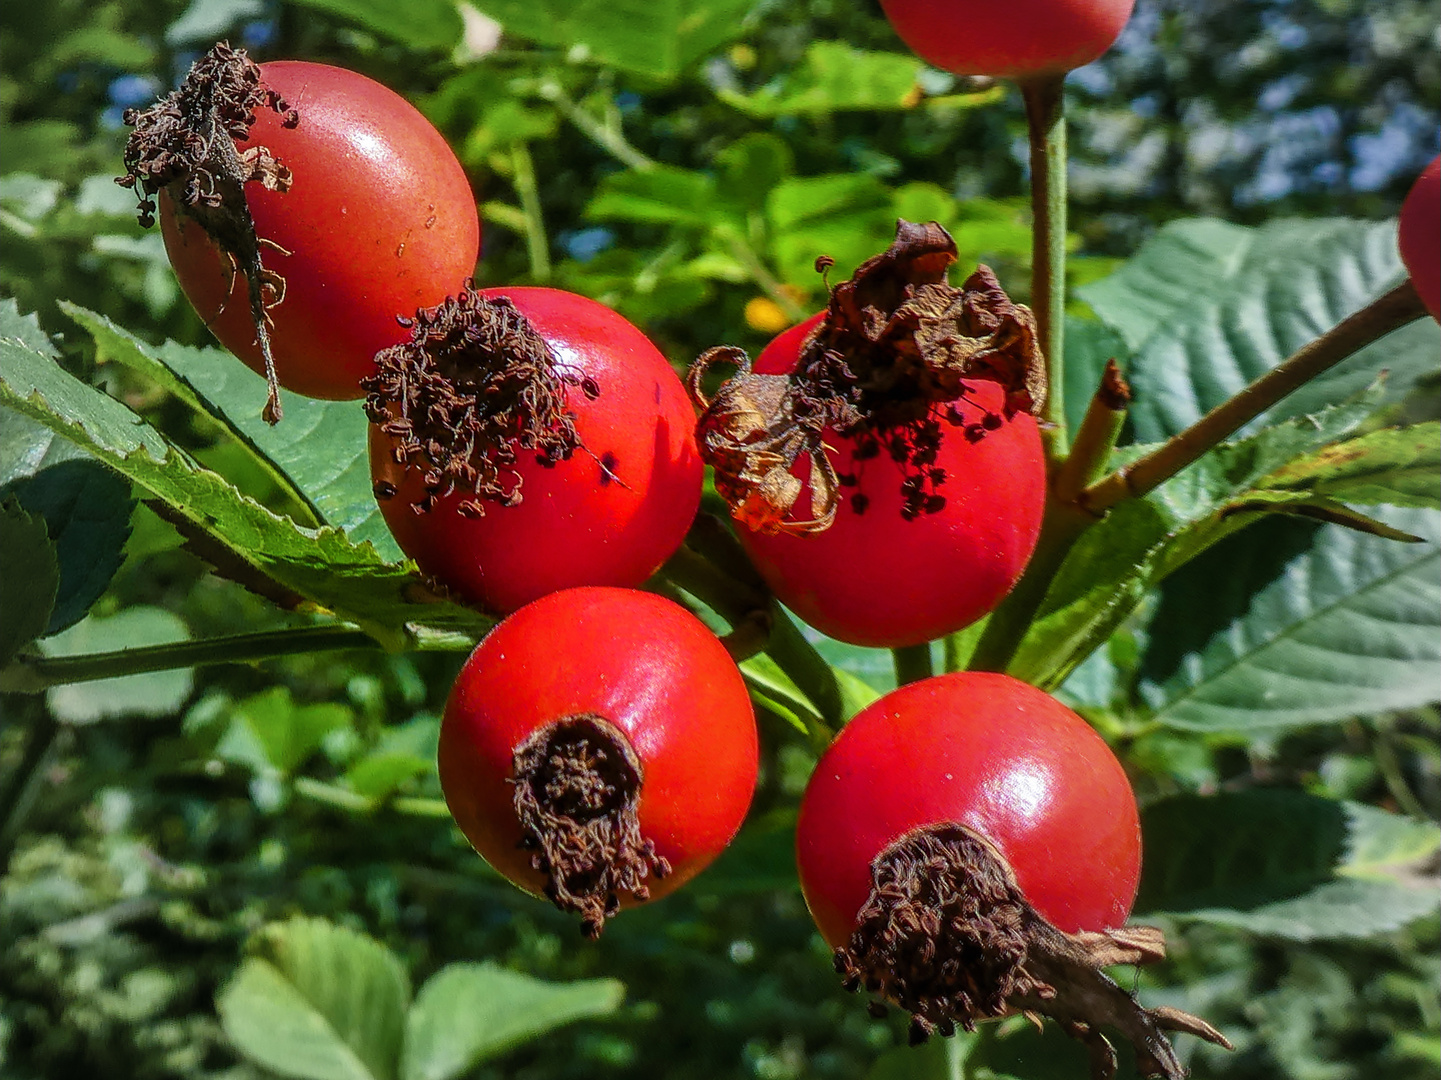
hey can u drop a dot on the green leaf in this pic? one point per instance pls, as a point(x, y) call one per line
point(318, 1001)
point(433, 25)
point(155, 693)
point(1394, 466)
point(317, 455)
point(848, 216)
point(378, 775)
point(469, 1013)
point(242, 538)
point(773, 688)
point(1089, 344)
point(761, 859)
point(935, 1059)
point(1351, 626)
point(270, 731)
point(29, 581)
point(1209, 308)
point(30, 198)
point(750, 167)
point(1183, 263)
point(87, 510)
point(659, 39)
point(834, 76)
point(663, 195)
point(873, 669)
point(1285, 864)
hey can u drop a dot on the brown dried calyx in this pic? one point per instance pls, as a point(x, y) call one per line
point(184, 144)
point(948, 936)
point(890, 364)
point(577, 785)
point(473, 388)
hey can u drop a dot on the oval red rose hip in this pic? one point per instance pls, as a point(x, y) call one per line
point(643, 705)
point(377, 220)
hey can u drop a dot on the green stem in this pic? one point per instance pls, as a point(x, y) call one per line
point(537, 243)
point(1095, 438)
point(1067, 518)
point(33, 674)
point(355, 803)
point(913, 663)
point(1392, 774)
point(1387, 313)
point(1061, 526)
point(1046, 121)
point(609, 138)
point(762, 276)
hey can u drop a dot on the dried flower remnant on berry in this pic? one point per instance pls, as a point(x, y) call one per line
point(890, 367)
point(184, 145)
point(577, 785)
point(474, 388)
point(947, 935)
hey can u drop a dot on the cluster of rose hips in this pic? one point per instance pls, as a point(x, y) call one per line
point(968, 845)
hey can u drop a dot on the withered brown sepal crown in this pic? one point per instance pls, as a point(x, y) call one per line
point(948, 936)
point(475, 387)
point(888, 367)
point(184, 144)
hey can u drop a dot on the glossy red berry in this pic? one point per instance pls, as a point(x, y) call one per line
point(1420, 236)
point(971, 848)
point(374, 218)
point(606, 506)
point(599, 748)
point(990, 753)
point(1011, 40)
point(879, 577)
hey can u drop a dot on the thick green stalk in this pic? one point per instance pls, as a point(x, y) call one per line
point(1061, 526)
point(1046, 120)
point(913, 663)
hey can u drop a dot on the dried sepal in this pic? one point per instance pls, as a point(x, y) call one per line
point(752, 438)
point(184, 144)
point(577, 786)
point(947, 935)
point(475, 387)
point(890, 366)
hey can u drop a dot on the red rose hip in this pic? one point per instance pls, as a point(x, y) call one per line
point(971, 848)
point(528, 440)
point(1012, 40)
point(879, 577)
point(882, 460)
point(324, 206)
point(599, 748)
point(1420, 236)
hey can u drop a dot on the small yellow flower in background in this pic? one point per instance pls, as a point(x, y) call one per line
point(765, 315)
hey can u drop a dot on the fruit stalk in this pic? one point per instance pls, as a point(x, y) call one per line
point(1389, 312)
point(1046, 121)
point(913, 663)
